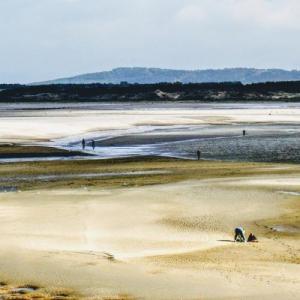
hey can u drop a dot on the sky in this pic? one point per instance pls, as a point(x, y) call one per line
point(47, 39)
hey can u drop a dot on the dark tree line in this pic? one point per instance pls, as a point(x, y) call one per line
point(124, 91)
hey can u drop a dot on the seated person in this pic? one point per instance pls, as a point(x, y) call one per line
point(252, 238)
point(239, 235)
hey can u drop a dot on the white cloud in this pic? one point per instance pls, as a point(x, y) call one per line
point(261, 13)
point(43, 39)
point(268, 13)
point(193, 13)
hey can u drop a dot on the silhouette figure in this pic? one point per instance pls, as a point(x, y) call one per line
point(199, 154)
point(83, 144)
point(244, 132)
point(252, 238)
point(93, 144)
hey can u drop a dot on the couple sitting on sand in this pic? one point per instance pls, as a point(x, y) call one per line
point(240, 236)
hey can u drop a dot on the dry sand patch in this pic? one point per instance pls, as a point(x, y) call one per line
point(145, 241)
point(36, 126)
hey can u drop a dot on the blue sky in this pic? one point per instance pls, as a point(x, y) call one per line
point(46, 39)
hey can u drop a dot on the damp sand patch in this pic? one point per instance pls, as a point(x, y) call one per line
point(19, 151)
point(290, 193)
point(286, 229)
point(77, 176)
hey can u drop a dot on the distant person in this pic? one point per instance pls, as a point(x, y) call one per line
point(199, 154)
point(93, 144)
point(83, 144)
point(239, 235)
point(252, 238)
point(244, 132)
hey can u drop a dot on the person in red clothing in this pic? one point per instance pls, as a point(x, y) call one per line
point(252, 238)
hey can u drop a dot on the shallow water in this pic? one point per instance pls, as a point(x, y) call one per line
point(262, 143)
point(146, 105)
point(271, 143)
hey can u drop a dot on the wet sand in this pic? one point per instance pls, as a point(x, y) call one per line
point(129, 140)
point(12, 151)
point(154, 236)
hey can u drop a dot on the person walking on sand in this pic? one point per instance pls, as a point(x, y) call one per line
point(240, 234)
point(93, 144)
point(83, 144)
point(199, 154)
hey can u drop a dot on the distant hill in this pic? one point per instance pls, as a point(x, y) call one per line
point(155, 75)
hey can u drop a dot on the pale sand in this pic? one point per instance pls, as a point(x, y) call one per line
point(166, 240)
point(28, 126)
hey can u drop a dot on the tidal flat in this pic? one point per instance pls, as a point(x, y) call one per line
point(158, 129)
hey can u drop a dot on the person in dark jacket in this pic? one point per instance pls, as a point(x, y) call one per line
point(199, 154)
point(93, 144)
point(239, 235)
point(83, 144)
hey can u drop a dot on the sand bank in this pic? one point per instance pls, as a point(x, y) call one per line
point(45, 125)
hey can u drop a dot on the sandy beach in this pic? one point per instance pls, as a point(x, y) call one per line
point(150, 150)
point(152, 236)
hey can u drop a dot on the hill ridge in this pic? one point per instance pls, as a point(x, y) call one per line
point(142, 75)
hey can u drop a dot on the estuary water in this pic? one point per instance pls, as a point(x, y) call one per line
point(263, 142)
